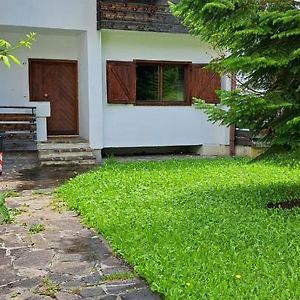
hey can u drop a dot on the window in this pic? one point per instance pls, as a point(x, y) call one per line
point(160, 83)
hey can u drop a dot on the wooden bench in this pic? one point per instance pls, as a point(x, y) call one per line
point(18, 128)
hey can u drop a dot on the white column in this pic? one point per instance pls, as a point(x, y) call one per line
point(42, 113)
point(95, 89)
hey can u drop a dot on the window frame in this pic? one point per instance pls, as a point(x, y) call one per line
point(186, 101)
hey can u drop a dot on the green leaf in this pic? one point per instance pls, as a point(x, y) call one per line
point(5, 60)
point(14, 59)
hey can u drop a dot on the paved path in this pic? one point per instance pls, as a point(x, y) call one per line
point(65, 261)
point(21, 171)
point(46, 253)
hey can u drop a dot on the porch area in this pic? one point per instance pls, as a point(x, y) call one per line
point(24, 129)
point(50, 93)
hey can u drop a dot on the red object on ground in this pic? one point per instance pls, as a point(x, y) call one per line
point(1, 163)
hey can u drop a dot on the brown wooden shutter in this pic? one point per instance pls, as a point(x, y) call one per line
point(204, 83)
point(121, 82)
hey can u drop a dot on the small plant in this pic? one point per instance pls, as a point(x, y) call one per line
point(41, 192)
point(36, 228)
point(11, 194)
point(4, 212)
point(75, 291)
point(111, 159)
point(118, 276)
point(58, 205)
point(18, 211)
point(48, 288)
point(15, 295)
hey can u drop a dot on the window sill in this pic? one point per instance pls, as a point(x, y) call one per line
point(150, 103)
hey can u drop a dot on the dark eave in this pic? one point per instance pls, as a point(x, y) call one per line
point(138, 15)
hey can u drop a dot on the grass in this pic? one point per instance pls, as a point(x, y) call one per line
point(5, 216)
point(36, 228)
point(118, 276)
point(198, 229)
point(48, 288)
point(11, 194)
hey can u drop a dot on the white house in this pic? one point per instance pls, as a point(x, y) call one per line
point(120, 74)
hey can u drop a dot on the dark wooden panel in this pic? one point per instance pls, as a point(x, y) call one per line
point(242, 133)
point(243, 142)
point(138, 16)
point(32, 108)
point(121, 82)
point(23, 136)
point(243, 138)
point(19, 146)
point(204, 83)
point(56, 81)
point(17, 127)
point(17, 117)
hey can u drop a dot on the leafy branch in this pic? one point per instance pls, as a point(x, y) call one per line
point(6, 49)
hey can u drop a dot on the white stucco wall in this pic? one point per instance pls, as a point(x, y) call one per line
point(60, 14)
point(141, 126)
point(66, 30)
point(14, 81)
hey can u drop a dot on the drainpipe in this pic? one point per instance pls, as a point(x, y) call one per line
point(1, 152)
point(232, 149)
point(233, 127)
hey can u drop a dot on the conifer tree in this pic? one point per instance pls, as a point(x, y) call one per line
point(260, 44)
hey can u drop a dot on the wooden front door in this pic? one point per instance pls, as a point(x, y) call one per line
point(56, 81)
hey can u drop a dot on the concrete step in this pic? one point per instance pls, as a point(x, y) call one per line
point(62, 146)
point(87, 154)
point(79, 157)
point(66, 152)
point(62, 151)
point(68, 163)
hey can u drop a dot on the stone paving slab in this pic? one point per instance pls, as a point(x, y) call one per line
point(22, 171)
point(60, 259)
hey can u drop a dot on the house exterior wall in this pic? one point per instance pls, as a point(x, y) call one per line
point(59, 14)
point(14, 81)
point(66, 30)
point(142, 126)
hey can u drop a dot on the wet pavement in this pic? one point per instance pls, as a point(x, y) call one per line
point(21, 171)
point(45, 252)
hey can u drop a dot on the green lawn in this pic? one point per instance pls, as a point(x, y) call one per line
point(198, 229)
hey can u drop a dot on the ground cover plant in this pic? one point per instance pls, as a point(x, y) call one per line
point(198, 229)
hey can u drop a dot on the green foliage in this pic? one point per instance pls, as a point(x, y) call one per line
point(147, 83)
point(48, 288)
point(118, 276)
point(198, 229)
point(11, 194)
point(4, 212)
point(36, 228)
point(7, 48)
point(260, 42)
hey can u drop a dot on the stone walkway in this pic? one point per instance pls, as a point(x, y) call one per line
point(21, 171)
point(47, 254)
